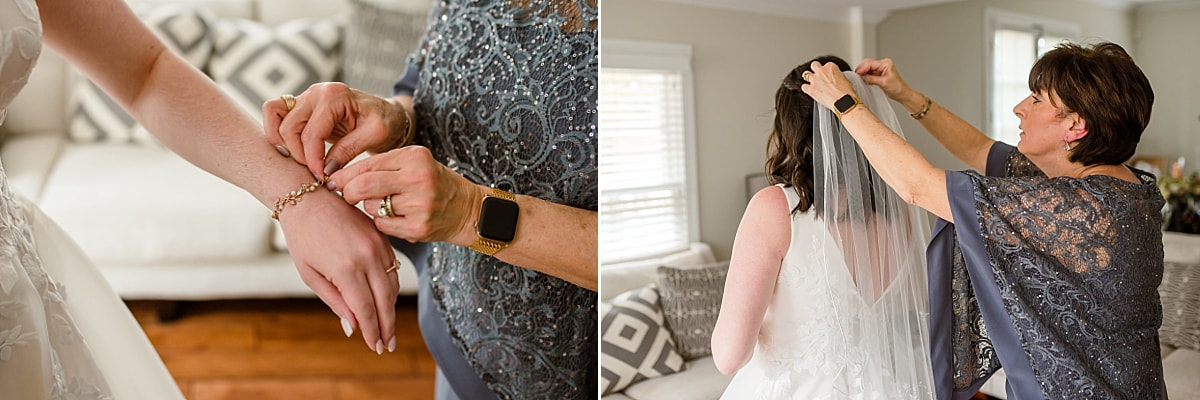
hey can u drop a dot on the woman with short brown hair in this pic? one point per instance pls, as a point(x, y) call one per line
point(1049, 264)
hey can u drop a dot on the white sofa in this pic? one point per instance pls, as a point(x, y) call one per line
point(156, 226)
point(700, 379)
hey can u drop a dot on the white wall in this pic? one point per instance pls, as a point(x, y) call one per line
point(738, 60)
point(939, 50)
point(1166, 48)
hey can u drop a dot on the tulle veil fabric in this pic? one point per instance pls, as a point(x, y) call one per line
point(881, 239)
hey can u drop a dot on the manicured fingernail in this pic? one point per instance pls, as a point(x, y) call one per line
point(392, 345)
point(330, 185)
point(332, 166)
point(379, 347)
point(283, 150)
point(346, 327)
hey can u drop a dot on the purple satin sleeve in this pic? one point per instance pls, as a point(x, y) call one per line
point(1021, 384)
point(997, 161)
point(967, 237)
point(407, 83)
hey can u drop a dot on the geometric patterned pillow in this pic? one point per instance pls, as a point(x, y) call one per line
point(97, 118)
point(378, 42)
point(1180, 294)
point(634, 345)
point(253, 63)
point(691, 300)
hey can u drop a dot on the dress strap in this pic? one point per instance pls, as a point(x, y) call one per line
point(793, 198)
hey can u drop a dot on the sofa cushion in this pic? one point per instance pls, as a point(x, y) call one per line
point(622, 277)
point(378, 41)
point(1180, 370)
point(634, 344)
point(691, 299)
point(1181, 247)
point(701, 380)
point(95, 117)
point(254, 63)
point(129, 204)
point(1180, 294)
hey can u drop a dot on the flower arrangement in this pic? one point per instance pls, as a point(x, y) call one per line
point(1182, 194)
point(1180, 187)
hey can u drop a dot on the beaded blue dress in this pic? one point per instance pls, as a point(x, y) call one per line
point(1054, 279)
point(504, 93)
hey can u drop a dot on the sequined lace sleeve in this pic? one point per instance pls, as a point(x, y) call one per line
point(506, 96)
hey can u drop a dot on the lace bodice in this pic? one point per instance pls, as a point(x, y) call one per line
point(20, 45)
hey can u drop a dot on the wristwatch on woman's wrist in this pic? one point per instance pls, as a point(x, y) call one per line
point(497, 223)
point(845, 104)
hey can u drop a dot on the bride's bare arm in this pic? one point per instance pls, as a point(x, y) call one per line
point(329, 240)
point(762, 240)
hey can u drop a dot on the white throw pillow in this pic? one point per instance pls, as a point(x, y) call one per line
point(95, 117)
point(254, 63)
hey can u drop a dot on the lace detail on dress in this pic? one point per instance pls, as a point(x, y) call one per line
point(810, 344)
point(42, 355)
point(20, 46)
point(34, 323)
point(1078, 263)
point(506, 96)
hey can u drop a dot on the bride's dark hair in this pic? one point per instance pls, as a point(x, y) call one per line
point(790, 147)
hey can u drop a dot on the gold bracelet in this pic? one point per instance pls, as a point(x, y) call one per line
point(409, 129)
point(294, 196)
point(928, 105)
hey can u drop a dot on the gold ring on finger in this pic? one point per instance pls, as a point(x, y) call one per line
point(395, 266)
point(385, 207)
point(289, 101)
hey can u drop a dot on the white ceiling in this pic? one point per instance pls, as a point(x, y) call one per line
point(840, 10)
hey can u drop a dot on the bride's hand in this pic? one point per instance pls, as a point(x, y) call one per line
point(826, 84)
point(343, 258)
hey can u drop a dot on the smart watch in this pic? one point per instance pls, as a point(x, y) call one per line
point(497, 224)
point(845, 104)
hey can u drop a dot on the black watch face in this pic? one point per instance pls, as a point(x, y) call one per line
point(498, 219)
point(843, 104)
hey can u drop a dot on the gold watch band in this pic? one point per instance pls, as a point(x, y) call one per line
point(488, 246)
point(502, 194)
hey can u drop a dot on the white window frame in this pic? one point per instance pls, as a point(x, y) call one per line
point(1000, 19)
point(675, 57)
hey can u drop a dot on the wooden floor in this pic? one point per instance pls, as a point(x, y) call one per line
point(285, 349)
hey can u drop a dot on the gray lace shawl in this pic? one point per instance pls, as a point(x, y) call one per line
point(1068, 270)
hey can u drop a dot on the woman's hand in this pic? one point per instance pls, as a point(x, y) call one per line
point(883, 73)
point(827, 84)
point(343, 258)
point(352, 120)
point(430, 202)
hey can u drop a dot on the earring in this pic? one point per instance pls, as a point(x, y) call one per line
point(1068, 147)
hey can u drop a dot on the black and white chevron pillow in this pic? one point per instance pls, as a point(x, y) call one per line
point(97, 118)
point(634, 343)
point(254, 63)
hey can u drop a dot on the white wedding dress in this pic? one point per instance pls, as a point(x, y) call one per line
point(86, 346)
point(850, 311)
point(810, 345)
